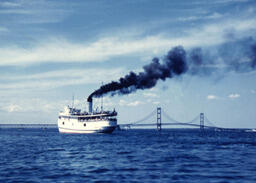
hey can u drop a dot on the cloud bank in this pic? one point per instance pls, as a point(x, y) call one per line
point(62, 50)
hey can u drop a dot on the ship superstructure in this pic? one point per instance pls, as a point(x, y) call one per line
point(73, 120)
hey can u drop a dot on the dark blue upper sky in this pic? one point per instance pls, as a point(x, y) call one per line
point(51, 50)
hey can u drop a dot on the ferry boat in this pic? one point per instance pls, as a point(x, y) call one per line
point(72, 120)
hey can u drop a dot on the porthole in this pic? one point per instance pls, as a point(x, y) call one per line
point(84, 124)
point(63, 123)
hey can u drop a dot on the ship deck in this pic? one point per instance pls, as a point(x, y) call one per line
point(95, 115)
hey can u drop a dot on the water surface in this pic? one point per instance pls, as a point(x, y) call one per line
point(175, 155)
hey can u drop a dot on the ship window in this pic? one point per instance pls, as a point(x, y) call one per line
point(84, 124)
point(63, 123)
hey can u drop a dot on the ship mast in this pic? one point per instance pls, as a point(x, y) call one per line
point(102, 100)
point(72, 101)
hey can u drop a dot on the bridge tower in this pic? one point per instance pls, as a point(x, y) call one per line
point(159, 118)
point(201, 121)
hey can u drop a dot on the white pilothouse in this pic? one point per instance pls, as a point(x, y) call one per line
point(72, 120)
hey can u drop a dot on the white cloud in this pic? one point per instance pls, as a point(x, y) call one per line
point(156, 102)
point(9, 4)
point(192, 18)
point(214, 15)
point(62, 50)
point(28, 11)
point(230, 1)
point(233, 96)
point(17, 11)
point(135, 103)
point(212, 97)
point(3, 29)
point(29, 105)
point(54, 79)
point(130, 104)
point(12, 108)
point(149, 100)
point(150, 95)
point(218, 2)
point(25, 105)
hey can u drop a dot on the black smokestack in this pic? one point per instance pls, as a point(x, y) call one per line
point(235, 55)
point(174, 63)
point(89, 99)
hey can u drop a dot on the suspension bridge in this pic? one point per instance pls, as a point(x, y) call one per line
point(155, 119)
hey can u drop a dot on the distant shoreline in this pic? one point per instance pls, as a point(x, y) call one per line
point(51, 125)
point(28, 125)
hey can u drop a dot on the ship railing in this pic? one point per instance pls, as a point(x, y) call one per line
point(106, 113)
point(96, 118)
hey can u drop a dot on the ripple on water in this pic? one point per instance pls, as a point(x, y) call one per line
point(128, 156)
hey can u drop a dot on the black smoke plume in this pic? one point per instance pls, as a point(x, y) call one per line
point(238, 56)
point(174, 63)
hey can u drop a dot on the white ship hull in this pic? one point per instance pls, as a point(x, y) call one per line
point(72, 120)
point(74, 126)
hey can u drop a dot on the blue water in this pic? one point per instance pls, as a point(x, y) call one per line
point(44, 155)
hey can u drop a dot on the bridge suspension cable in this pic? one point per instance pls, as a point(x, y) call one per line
point(209, 122)
point(145, 118)
point(169, 118)
point(196, 119)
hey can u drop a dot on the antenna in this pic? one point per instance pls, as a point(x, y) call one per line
point(101, 100)
point(72, 101)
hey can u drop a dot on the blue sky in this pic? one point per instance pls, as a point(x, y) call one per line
point(51, 50)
